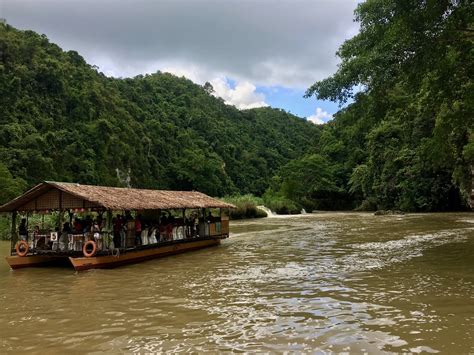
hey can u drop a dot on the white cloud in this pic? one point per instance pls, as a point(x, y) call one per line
point(320, 116)
point(268, 43)
point(243, 96)
point(189, 71)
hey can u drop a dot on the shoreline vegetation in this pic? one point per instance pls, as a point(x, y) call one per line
point(247, 207)
point(250, 206)
point(404, 141)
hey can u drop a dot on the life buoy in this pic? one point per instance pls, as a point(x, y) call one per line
point(91, 253)
point(19, 250)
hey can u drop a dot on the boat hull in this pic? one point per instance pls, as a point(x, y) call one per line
point(135, 256)
point(19, 262)
point(110, 261)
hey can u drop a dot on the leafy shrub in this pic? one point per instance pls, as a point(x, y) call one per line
point(280, 204)
point(246, 206)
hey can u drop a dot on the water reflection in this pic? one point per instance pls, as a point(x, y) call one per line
point(328, 282)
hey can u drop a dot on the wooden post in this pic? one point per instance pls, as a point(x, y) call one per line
point(14, 235)
point(61, 220)
point(109, 220)
point(61, 212)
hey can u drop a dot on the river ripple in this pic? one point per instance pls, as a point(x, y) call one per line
point(342, 282)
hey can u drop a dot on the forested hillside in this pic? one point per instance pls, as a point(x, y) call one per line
point(407, 139)
point(61, 119)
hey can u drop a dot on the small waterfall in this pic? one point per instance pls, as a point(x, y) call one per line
point(267, 210)
point(303, 211)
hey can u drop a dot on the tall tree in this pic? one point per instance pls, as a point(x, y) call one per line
point(410, 68)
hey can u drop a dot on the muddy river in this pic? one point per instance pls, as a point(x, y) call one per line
point(342, 282)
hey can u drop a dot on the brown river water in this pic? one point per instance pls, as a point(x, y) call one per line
point(329, 282)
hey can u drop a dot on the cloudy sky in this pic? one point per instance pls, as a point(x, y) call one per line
point(254, 52)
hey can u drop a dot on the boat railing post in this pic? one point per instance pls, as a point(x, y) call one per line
point(109, 227)
point(61, 212)
point(185, 225)
point(60, 220)
point(14, 236)
point(220, 222)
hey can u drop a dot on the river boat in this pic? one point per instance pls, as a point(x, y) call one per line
point(92, 227)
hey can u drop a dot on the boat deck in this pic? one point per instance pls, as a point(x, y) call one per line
point(112, 258)
point(76, 253)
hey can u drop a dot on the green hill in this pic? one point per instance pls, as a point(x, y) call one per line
point(61, 119)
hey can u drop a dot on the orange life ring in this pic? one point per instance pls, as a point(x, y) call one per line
point(86, 253)
point(25, 245)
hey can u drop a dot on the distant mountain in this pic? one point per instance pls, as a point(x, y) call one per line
point(61, 119)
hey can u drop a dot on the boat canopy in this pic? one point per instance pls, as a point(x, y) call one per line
point(51, 195)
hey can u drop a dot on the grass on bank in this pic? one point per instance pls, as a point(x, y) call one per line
point(246, 206)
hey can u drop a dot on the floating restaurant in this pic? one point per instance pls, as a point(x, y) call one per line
point(104, 227)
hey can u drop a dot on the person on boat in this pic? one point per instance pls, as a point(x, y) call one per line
point(169, 226)
point(117, 223)
point(77, 225)
point(195, 223)
point(152, 238)
point(23, 230)
point(66, 228)
point(188, 223)
point(100, 221)
point(95, 227)
point(95, 233)
point(162, 227)
point(40, 242)
point(87, 224)
point(138, 230)
point(64, 237)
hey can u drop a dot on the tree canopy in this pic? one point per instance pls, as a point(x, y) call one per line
point(403, 140)
point(406, 138)
point(61, 119)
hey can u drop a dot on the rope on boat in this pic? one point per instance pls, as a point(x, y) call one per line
point(116, 252)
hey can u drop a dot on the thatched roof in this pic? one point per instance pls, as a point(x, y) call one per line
point(60, 195)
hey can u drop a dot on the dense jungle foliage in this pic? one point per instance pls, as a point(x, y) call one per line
point(62, 120)
point(406, 141)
